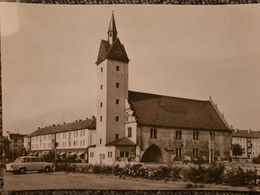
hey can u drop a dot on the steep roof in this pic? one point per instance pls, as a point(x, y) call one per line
point(246, 133)
point(84, 124)
point(121, 142)
point(116, 51)
point(174, 112)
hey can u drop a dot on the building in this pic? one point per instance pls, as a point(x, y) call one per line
point(249, 141)
point(69, 140)
point(153, 128)
point(16, 145)
point(147, 127)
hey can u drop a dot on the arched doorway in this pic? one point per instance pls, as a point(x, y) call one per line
point(152, 154)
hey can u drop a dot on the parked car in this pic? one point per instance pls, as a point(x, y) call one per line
point(29, 163)
point(122, 162)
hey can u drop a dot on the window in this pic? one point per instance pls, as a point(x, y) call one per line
point(126, 154)
point(100, 118)
point(195, 135)
point(117, 85)
point(178, 152)
point(91, 154)
point(178, 134)
point(100, 141)
point(103, 156)
point(122, 154)
point(69, 135)
point(117, 136)
point(129, 132)
point(100, 104)
point(101, 87)
point(153, 133)
point(80, 142)
point(83, 133)
point(117, 68)
point(212, 136)
point(117, 118)
point(117, 101)
point(83, 142)
point(101, 69)
point(74, 143)
point(69, 143)
point(109, 154)
point(195, 152)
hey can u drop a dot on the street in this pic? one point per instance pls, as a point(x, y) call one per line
point(62, 180)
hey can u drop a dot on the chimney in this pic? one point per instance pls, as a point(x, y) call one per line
point(39, 128)
point(64, 123)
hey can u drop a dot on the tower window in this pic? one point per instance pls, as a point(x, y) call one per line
point(117, 118)
point(100, 118)
point(117, 101)
point(101, 104)
point(101, 86)
point(101, 69)
point(117, 68)
point(129, 132)
point(117, 136)
point(117, 85)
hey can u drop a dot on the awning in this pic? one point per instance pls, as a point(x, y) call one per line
point(46, 153)
point(80, 153)
point(61, 153)
point(72, 153)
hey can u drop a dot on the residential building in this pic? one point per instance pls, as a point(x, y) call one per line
point(69, 140)
point(249, 141)
point(16, 145)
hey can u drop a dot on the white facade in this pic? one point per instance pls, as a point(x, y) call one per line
point(42, 142)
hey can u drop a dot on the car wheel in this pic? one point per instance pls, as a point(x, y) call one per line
point(22, 170)
point(47, 169)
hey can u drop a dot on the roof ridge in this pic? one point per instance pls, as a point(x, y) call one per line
point(169, 96)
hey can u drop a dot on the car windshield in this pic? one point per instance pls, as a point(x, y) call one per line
point(18, 160)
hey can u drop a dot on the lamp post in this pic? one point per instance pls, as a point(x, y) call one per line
point(55, 151)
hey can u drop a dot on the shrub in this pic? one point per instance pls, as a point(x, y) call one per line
point(212, 174)
point(239, 177)
point(256, 160)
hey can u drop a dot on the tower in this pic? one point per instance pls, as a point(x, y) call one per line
point(112, 88)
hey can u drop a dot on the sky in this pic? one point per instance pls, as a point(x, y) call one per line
point(49, 54)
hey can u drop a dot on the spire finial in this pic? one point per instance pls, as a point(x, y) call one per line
point(112, 32)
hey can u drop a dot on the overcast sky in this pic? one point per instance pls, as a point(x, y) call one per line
point(49, 54)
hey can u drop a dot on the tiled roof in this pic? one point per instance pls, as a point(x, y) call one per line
point(246, 133)
point(121, 142)
point(84, 124)
point(174, 112)
point(116, 51)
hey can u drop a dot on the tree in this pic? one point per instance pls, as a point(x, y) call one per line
point(237, 150)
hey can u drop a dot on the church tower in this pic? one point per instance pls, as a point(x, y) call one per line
point(112, 89)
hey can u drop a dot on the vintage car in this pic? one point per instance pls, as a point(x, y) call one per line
point(123, 162)
point(29, 163)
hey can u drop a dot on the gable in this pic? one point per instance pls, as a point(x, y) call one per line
point(103, 50)
point(117, 52)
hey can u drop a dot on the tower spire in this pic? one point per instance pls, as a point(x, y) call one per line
point(112, 32)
